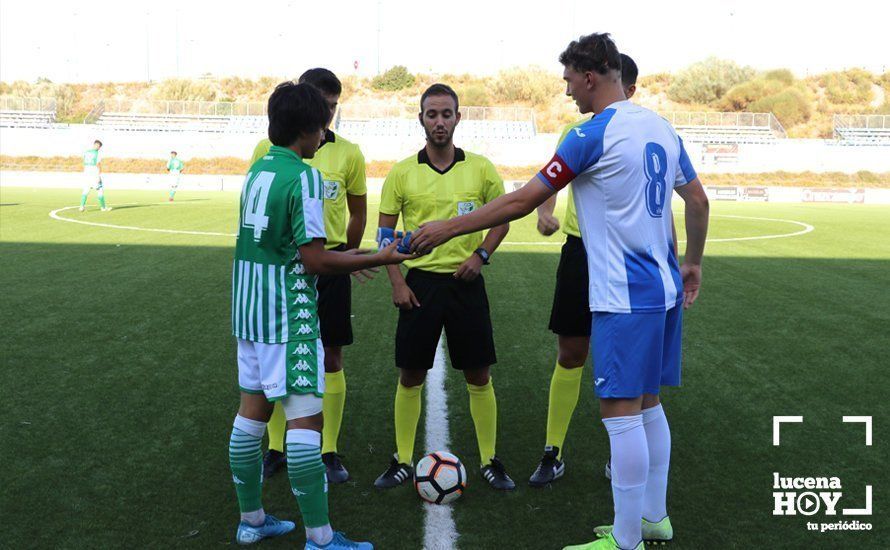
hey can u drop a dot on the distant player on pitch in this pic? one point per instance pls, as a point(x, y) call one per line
point(342, 165)
point(624, 165)
point(174, 168)
point(444, 288)
point(92, 175)
point(279, 252)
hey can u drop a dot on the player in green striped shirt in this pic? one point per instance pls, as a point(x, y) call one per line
point(174, 168)
point(92, 176)
point(279, 253)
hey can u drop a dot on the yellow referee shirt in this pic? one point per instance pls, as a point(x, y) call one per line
point(419, 193)
point(342, 165)
point(570, 224)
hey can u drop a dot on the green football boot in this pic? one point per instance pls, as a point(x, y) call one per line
point(653, 533)
point(605, 542)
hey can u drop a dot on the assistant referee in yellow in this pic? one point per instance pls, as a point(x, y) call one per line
point(342, 166)
point(444, 289)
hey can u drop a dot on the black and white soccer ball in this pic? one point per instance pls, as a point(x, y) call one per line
point(440, 478)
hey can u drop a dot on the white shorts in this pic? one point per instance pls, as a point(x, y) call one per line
point(92, 179)
point(174, 180)
point(278, 370)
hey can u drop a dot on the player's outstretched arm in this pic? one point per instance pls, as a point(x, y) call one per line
point(501, 210)
point(697, 212)
point(320, 261)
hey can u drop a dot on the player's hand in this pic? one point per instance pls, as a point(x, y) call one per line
point(547, 224)
point(403, 297)
point(429, 236)
point(691, 274)
point(470, 269)
point(362, 275)
point(389, 254)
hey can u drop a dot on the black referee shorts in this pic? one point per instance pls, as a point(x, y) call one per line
point(335, 309)
point(460, 307)
point(570, 315)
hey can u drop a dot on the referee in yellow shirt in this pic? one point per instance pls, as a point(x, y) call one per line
point(444, 289)
point(342, 166)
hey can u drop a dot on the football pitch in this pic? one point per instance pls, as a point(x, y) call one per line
point(119, 383)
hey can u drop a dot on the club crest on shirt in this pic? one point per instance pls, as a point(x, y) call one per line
point(465, 207)
point(331, 188)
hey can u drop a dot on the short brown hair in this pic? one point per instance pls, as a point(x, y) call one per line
point(593, 52)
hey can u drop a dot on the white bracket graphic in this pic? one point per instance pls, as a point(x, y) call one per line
point(861, 511)
point(778, 421)
point(867, 421)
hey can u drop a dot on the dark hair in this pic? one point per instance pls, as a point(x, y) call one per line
point(629, 71)
point(99, 142)
point(439, 89)
point(173, 153)
point(323, 79)
point(593, 52)
point(295, 110)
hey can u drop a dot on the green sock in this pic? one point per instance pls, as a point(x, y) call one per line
point(246, 461)
point(83, 200)
point(172, 192)
point(484, 410)
point(565, 386)
point(307, 476)
point(407, 415)
point(101, 201)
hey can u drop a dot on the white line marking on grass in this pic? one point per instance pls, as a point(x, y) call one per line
point(439, 530)
point(807, 228)
point(55, 215)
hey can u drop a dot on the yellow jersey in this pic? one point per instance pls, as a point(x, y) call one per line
point(342, 166)
point(418, 192)
point(570, 223)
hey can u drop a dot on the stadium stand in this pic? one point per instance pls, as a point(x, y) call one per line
point(181, 116)
point(27, 112)
point(862, 129)
point(726, 128)
point(477, 123)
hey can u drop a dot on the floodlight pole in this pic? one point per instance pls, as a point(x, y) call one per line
point(379, 2)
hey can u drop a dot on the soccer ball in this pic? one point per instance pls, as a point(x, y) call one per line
point(440, 478)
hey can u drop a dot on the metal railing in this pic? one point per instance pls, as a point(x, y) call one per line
point(94, 113)
point(193, 108)
point(14, 103)
point(716, 120)
point(862, 122)
point(468, 112)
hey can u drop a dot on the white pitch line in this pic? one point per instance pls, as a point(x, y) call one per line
point(439, 530)
point(807, 228)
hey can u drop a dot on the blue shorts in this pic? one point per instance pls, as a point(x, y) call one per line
point(635, 353)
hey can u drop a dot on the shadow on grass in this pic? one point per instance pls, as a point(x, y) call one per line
point(120, 386)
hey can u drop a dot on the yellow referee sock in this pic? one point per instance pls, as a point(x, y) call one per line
point(276, 428)
point(484, 410)
point(564, 389)
point(332, 404)
point(407, 414)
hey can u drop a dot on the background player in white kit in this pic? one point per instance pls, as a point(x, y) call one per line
point(92, 175)
point(623, 165)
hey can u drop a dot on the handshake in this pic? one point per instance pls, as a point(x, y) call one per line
point(386, 235)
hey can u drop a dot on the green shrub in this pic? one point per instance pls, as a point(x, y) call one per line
point(785, 76)
point(742, 95)
point(529, 84)
point(181, 89)
point(473, 94)
point(848, 87)
point(707, 81)
point(655, 83)
point(393, 80)
point(790, 106)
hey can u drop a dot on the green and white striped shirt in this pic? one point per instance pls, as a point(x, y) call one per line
point(274, 300)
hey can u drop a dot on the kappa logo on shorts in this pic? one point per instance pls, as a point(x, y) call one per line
point(304, 329)
point(303, 314)
point(302, 365)
point(300, 285)
point(301, 349)
point(302, 381)
point(298, 270)
point(301, 299)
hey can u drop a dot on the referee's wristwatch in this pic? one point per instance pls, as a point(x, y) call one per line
point(482, 253)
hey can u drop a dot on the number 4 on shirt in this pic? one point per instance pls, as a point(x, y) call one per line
point(253, 200)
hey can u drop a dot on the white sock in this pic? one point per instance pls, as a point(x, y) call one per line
point(255, 518)
point(320, 535)
point(630, 466)
point(658, 437)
